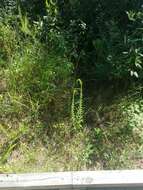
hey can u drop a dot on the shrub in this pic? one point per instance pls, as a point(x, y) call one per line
point(43, 76)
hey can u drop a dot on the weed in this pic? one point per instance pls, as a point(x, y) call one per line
point(77, 106)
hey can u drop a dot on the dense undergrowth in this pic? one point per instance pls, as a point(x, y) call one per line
point(50, 120)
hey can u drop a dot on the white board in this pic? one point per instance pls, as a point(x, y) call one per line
point(73, 180)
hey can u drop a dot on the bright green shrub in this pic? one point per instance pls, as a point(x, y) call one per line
point(39, 74)
point(77, 115)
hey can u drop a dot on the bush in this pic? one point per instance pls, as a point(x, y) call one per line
point(43, 76)
point(106, 45)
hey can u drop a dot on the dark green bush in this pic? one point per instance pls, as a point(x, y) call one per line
point(106, 43)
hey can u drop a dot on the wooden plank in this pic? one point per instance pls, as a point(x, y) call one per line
point(73, 180)
point(119, 178)
point(36, 181)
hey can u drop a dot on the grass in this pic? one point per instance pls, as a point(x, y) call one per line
point(59, 153)
point(116, 129)
point(114, 142)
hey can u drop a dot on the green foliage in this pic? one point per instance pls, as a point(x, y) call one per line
point(34, 90)
point(102, 45)
point(9, 6)
point(77, 107)
point(13, 138)
point(106, 45)
point(8, 43)
point(133, 112)
point(135, 54)
point(37, 73)
point(116, 134)
point(45, 46)
point(24, 22)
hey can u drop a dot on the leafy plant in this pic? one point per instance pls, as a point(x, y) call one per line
point(77, 107)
